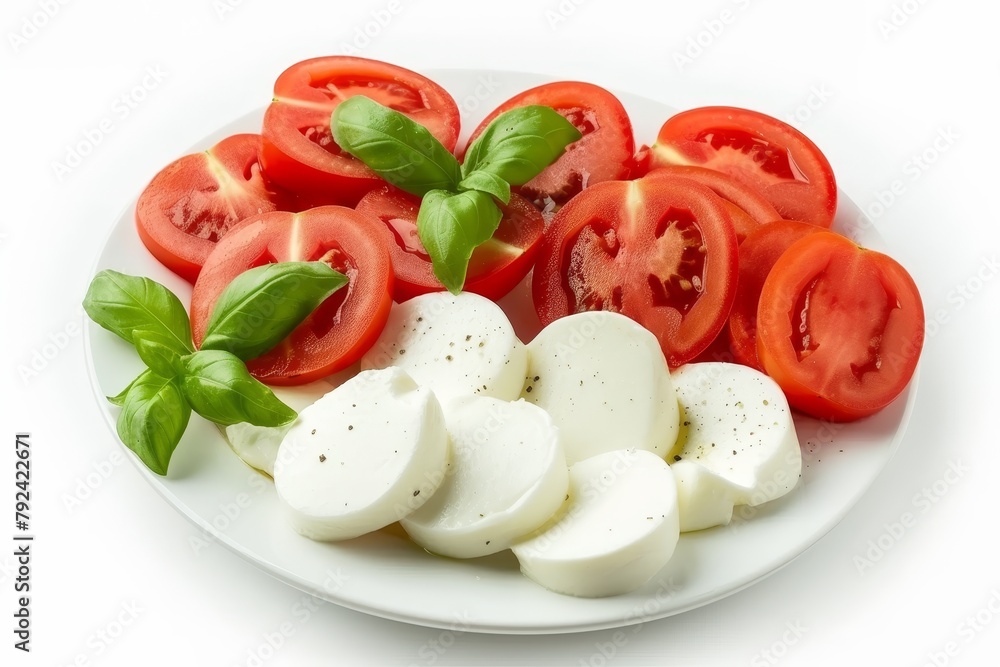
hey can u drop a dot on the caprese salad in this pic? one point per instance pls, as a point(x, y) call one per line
point(691, 292)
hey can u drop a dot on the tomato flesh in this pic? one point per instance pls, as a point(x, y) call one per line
point(659, 250)
point(747, 208)
point(298, 151)
point(758, 253)
point(496, 266)
point(604, 153)
point(195, 200)
point(840, 328)
point(761, 152)
point(344, 326)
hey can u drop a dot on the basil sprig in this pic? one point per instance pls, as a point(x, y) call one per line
point(458, 211)
point(254, 313)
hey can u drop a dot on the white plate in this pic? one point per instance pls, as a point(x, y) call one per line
point(386, 575)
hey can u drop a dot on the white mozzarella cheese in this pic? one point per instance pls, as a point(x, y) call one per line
point(258, 445)
point(457, 345)
point(617, 530)
point(737, 443)
point(362, 457)
point(508, 476)
point(604, 380)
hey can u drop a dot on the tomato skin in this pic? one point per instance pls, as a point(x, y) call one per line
point(761, 152)
point(747, 207)
point(344, 326)
point(840, 328)
point(604, 153)
point(195, 200)
point(659, 250)
point(758, 253)
point(496, 266)
point(298, 151)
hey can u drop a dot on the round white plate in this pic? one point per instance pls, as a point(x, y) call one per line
point(386, 575)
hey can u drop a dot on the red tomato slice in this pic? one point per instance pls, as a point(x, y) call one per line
point(298, 150)
point(746, 206)
point(604, 153)
point(759, 151)
point(344, 326)
point(758, 253)
point(195, 200)
point(659, 250)
point(839, 328)
point(496, 267)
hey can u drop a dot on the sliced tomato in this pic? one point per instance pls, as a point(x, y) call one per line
point(746, 206)
point(604, 153)
point(496, 267)
point(758, 253)
point(298, 150)
point(344, 326)
point(761, 152)
point(659, 250)
point(839, 327)
point(195, 200)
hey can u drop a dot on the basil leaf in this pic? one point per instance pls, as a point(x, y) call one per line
point(450, 226)
point(398, 149)
point(483, 181)
point(155, 352)
point(520, 143)
point(219, 388)
point(153, 418)
point(123, 304)
point(264, 304)
point(119, 400)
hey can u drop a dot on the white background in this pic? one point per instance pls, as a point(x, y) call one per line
point(882, 94)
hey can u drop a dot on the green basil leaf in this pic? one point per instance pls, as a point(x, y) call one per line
point(450, 226)
point(484, 181)
point(155, 352)
point(398, 149)
point(119, 400)
point(123, 304)
point(520, 143)
point(264, 304)
point(153, 418)
point(219, 388)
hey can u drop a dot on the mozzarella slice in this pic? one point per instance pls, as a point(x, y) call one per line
point(457, 345)
point(362, 457)
point(258, 445)
point(618, 529)
point(508, 477)
point(604, 380)
point(737, 444)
